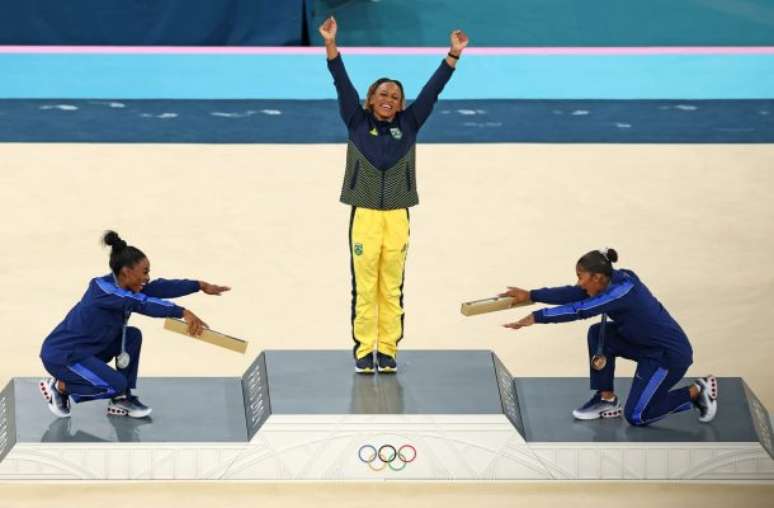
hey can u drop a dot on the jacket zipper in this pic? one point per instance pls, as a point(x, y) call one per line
point(354, 175)
point(384, 173)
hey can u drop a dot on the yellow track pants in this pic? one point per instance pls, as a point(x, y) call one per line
point(378, 242)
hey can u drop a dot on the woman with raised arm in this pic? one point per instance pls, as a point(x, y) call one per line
point(380, 185)
point(95, 332)
point(639, 329)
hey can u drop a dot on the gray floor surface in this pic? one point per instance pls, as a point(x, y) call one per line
point(184, 410)
point(323, 382)
point(547, 405)
point(428, 382)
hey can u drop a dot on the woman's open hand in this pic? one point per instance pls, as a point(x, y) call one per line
point(212, 289)
point(527, 320)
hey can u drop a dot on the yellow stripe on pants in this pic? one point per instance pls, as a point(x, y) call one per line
point(378, 247)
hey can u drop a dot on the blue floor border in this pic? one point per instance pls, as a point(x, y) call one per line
point(453, 121)
point(304, 76)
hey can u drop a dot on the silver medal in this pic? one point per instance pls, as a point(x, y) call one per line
point(122, 360)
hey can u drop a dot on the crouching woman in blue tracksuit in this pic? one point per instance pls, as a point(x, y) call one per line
point(94, 332)
point(640, 329)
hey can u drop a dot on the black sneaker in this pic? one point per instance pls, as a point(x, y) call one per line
point(58, 403)
point(386, 363)
point(365, 365)
point(128, 406)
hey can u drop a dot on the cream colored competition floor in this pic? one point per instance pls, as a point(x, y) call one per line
point(695, 222)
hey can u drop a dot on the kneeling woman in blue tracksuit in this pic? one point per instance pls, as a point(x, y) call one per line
point(94, 332)
point(640, 329)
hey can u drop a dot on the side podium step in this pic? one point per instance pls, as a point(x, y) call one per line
point(734, 446)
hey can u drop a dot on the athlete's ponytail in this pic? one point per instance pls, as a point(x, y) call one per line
point(121, 254)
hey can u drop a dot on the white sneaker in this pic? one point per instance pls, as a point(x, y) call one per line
point(707, 401)
point(128, 406)
point(58, 403)
point(597, 407)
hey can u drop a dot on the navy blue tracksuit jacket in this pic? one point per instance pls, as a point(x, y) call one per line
point(97, 319)
point(77, 350)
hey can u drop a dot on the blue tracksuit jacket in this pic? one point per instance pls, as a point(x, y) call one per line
point(97, 319)
point(639, 317)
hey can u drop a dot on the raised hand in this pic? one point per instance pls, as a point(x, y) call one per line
point(328, 30)
point(212, 289)
point(459, 41)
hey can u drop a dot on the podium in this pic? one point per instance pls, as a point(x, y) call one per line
point(446, 415)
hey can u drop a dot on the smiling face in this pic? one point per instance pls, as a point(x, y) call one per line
point(134, 278)
point(385, 101)
point(592, 283)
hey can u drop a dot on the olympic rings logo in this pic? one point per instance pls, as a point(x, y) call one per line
point(387, 456)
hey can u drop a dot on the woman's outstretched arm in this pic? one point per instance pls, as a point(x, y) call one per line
point(423, 105)
point(349, 102)
point(328, 31)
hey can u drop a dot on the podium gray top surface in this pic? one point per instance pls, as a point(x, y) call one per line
point(427, 382)
point(323, 383)
point(547, 404)
point(184, 410)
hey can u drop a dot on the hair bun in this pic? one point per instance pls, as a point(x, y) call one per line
point(112, 239)
point(611, 254)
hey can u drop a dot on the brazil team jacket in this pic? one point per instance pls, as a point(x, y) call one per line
point(639, 317)
point(98, 318)
point(380, 170)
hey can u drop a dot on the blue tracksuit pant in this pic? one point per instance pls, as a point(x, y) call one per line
point(650, 398)
point(91, 378)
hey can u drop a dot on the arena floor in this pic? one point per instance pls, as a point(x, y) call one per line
point(694, 221)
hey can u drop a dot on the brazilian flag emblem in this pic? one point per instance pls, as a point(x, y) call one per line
point(358, 249)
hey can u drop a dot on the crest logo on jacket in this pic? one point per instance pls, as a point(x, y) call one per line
point(396, 133)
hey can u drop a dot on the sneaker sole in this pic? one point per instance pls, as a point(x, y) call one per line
point(43, 387)
point(615, 413)
point(387, 370)
point(711, 384)
point(364, 371)
point(112, 411)
point(612, 414)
